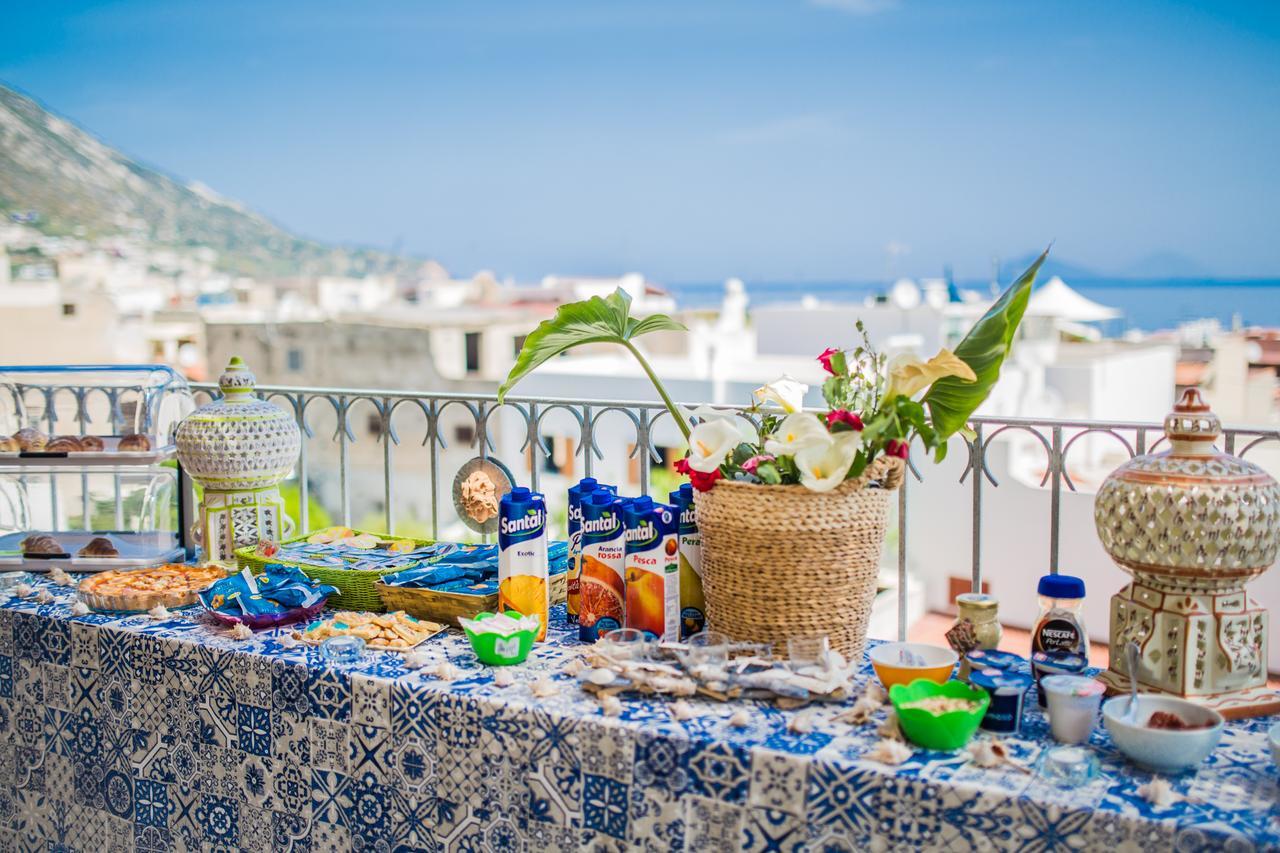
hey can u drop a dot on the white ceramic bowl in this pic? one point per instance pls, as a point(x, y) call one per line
point(1163, 750)
point(932, 662)
point(1273, 737)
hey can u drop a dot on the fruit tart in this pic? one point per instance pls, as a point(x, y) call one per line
point(170, 585)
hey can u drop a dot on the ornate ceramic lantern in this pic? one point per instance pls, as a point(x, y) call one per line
point(238, 448)
point(1193, 526)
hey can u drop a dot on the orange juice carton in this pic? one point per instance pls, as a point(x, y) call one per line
point(522, 555)
point(693, 605)
point(601, 586)
point(577, 494)
point(652, 569)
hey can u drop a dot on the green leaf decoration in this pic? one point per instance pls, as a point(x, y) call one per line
point(591, 321)
point(952, 401)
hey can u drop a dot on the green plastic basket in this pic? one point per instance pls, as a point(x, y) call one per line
point(498, 650)
point(356, 590)
point(943, 732)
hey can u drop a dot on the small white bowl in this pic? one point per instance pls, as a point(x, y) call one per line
point(1162, 750)
point(1273, 737)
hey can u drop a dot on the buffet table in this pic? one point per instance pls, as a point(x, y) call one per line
point(133, 733)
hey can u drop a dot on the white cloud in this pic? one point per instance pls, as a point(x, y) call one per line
point(858, 7)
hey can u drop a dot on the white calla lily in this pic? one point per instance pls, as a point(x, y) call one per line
point(822, 468)
point(796, 432)
point(710, 443)
point(705, 414)
point(785, 392)
point(908, 374)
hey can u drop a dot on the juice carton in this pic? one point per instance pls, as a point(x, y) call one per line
point(577, 493)
point(522, 555)
point(601, 588)
point(693, 606)
point(653, 569)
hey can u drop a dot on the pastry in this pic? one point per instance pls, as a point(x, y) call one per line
point(31, 439)
point(92, 444)
point(9, 444)
point(42, 545)
point(63, 444)
point(171, 585)
point(99, 546)
point(396, 631)
point(134, 442)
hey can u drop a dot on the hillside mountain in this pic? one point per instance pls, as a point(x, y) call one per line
point(74, 184)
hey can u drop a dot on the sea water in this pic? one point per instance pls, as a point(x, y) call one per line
point(522, 555)
point(652, 569)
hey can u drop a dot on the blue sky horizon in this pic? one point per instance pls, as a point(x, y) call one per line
point(768, 139)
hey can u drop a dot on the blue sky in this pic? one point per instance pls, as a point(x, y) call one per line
point(770, 139)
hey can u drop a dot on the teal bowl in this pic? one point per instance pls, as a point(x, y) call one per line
point(942, 732)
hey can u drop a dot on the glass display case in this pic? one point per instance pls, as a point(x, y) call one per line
point(89, 477)
point(91, 414)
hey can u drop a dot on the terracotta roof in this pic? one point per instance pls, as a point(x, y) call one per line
point(1189, 373)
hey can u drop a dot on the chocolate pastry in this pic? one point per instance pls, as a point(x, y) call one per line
point(99, 546)
point(9, 444)
point(42, 545)
point(134, 441)
point(63, 444)
point(91, 444)
point(31, 439)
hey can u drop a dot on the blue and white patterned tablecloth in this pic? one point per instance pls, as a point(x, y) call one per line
point(128, 733)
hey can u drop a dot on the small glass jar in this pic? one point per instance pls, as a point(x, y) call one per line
point(982, 611)
point(1060, 625)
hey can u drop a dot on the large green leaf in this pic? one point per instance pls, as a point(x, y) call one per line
point(951, 400)
point(592, 321)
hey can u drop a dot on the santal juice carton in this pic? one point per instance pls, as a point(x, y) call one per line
point(577, 494)
point(522, 555)
point(653, 569)
point(693, 605)
point(601, 590)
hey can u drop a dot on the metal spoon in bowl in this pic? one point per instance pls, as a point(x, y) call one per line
point(1131, 658)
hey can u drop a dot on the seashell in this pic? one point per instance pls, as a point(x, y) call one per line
point(44, 597)
point(288, 641)
point(683, 711)
point(79, 608)
point(445, 671)
point(161, 613)
point(503, 678)
point(23, 590)
point(990, 752)
point(574, 666)
point(416, 660)
point(875, 693)
point(611, 706)
point(889, 729)
point(740, 719)
point(241, 631)
point(60, 577)
point(544, 687)
point(1159, 793)
point(861, 712)
point(601, 676)
point(890, 752)
point(801, 723)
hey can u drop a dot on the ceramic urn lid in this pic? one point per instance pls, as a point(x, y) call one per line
point(1190, 511)
point(239, 441)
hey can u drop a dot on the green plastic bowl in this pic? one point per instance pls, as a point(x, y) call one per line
point(496, 650)
point(942, 732)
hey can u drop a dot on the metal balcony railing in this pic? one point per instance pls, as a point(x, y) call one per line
point(1057, 438)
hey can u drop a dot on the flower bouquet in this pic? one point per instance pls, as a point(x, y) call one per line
point(792, 503)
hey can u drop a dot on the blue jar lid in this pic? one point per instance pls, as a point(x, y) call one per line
point(994, 679)
point(993, 659)
point(1061, 586)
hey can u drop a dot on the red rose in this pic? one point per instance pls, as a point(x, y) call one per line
point(897, 448)
point(682, 466)
point(844, 416)
point(825, 359)
point(703, 482)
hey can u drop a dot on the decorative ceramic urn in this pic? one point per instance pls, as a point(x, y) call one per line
point(1192, 525)
point(238, 449)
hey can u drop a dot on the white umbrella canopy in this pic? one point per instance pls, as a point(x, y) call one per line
point(1057, 299)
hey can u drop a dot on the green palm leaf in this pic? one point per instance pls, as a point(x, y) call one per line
point(951, 400)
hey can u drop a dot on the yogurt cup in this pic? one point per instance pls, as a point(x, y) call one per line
point(1008, 691)
point(980, 659)
point(1055, 663)
point(1073, 702)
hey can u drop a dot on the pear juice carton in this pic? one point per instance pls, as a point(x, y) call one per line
point(693, 606)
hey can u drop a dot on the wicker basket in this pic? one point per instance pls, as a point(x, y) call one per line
point(447, 607)
point(781, 561)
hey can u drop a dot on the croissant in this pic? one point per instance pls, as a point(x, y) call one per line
point(91, 444)
point(99, 546)
point(42, 545)
point(31, 439)
point(63, 444)
point(134, 441)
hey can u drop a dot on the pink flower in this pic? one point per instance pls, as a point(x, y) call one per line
point(753, 463)
point(846, 417)
point(897, 448)
point(825, 358)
